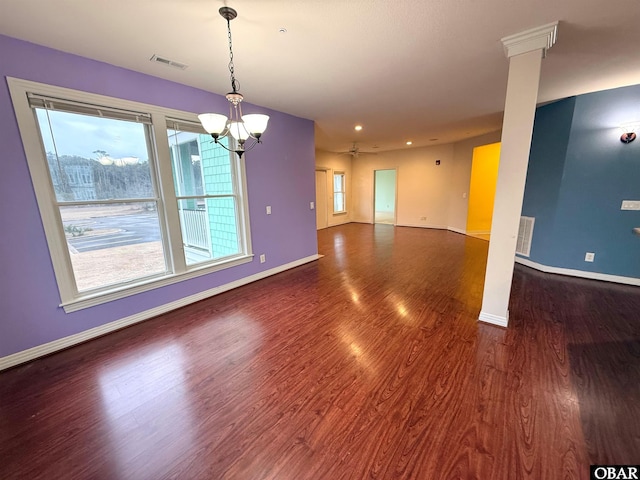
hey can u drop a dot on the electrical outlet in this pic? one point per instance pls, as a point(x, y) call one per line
point(423, 218)
point(268, 209)
point(312, 205)
point(630, 205)
point(263, 258)
point(589, 257)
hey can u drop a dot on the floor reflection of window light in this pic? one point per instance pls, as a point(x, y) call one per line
point(147, 411)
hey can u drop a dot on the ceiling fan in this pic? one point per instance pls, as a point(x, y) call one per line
point(355, 151)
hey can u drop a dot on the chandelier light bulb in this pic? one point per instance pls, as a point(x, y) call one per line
point(256, 123)
point(213, 123)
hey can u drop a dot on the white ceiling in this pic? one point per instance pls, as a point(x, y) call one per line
point(415, 70)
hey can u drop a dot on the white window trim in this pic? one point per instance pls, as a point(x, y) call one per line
point(71, 300)
point(344, 191)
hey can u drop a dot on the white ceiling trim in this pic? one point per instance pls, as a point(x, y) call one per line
point(539, 38)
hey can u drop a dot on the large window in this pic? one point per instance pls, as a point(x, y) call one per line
point(203, 175)
point(108, 206)
point(339, 204)
point(132, 196)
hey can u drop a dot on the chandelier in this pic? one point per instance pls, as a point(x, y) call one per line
point(240, 127)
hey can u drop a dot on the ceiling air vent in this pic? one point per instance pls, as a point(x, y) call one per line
point(525, 234)
point(167, 62)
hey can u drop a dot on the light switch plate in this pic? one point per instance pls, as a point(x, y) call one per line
point(630, 205)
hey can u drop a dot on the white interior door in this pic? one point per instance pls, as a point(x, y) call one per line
point(322, 205)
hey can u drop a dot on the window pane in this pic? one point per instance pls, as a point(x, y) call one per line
point(113, 244)
point(94, 158)
point(338, 192)
point(200, 166)
point(209, 228)
point(337, 183)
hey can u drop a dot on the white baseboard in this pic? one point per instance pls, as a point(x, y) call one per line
point(437, 227)
point(579, 273)
point(422, 225)
point(66, 342)
point(494, 319)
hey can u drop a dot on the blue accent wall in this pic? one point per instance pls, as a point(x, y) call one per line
point(551, 129)
point(579, 174)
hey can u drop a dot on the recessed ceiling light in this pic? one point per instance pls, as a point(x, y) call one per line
point(357, 128)
point(409, 142)
point(282, 30)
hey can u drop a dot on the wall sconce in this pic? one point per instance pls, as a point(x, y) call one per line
point(629, 131)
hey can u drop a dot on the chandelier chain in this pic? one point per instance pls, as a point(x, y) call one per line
point(235, 85)
point(237, 128)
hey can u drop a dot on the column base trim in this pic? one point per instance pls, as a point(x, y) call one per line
point(494, 319)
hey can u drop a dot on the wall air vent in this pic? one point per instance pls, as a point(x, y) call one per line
point(167, 62)
point(525, 234)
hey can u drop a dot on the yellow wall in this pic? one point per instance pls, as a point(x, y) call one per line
point(482, 189)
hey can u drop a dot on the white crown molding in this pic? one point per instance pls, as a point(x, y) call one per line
point(539, 38)
point(66, 342)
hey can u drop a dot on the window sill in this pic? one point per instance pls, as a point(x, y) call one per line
point(335, 214)
point(91, 300)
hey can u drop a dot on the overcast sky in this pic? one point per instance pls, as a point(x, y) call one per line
point(81, 135)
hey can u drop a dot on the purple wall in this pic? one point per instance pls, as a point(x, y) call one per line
point(280, 173)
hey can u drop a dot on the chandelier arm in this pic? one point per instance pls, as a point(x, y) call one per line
point(255, 142)
point(238, 151)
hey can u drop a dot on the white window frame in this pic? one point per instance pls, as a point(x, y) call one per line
point(343, 192)
point(168, 217)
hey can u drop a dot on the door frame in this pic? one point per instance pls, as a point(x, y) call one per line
point(395, 204)
point(326, 197)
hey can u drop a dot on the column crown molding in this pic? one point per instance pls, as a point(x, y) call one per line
point(539, 38)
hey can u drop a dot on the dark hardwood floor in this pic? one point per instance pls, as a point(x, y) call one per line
point(368, 363)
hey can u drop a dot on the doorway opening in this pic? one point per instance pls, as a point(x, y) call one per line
point(482, 190)
point(384, 194)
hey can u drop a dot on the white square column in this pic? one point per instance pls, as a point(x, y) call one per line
point(525, 51)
